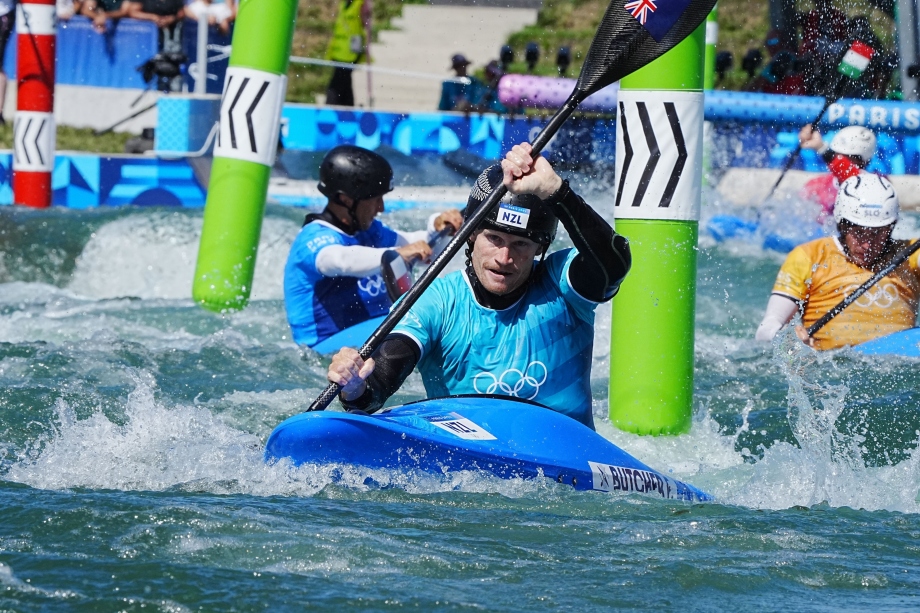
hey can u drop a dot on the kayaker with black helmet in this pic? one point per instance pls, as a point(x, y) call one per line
point(516, 321)
point(332, 277)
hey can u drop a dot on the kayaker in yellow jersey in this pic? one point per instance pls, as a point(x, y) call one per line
point(819, 274)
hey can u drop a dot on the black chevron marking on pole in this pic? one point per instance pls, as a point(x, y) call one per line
point(236, 99)
point(223, 97)
point(25, 133)
point(626, 158)
point(654, 153)
point(38, 149)
point(252, 107)
point(671, 187)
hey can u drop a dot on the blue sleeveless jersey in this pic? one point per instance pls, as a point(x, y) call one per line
point(318, 306)
point(538, 349)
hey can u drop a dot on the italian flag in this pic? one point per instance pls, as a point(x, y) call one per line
point(855, 60)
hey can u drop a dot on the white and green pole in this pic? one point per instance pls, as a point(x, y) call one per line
point(712, 38)
point(250, 119)
point(658, 174)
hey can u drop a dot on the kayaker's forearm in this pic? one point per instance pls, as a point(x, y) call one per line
point(603, 255)
point(394, 359)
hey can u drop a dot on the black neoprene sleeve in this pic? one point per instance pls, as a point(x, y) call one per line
point(603, 255)
point(394, 360)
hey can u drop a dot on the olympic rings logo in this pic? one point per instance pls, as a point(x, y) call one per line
point(372, 286)
point(513, 382)
point(881, 296)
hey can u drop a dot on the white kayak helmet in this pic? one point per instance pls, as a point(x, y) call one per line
point(855, 140)
point(867, 200)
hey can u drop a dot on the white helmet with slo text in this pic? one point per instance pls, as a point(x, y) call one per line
point(867, 200)
point(855, 140)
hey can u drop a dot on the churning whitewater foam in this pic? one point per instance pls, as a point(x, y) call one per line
point(194, 448)
point(154, 255)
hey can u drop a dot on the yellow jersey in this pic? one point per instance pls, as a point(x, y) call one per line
point(819, 275)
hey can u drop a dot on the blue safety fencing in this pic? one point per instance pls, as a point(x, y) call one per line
point(90, 59)
point(313, 128)
point(83, 181)
point(742, 138)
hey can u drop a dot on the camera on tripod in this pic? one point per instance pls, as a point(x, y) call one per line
point(164, 66)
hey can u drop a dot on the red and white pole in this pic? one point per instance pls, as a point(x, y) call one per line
point(33, 128)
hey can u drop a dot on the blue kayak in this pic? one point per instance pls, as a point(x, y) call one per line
point(349, 337)
point(905, 343)
point(502, 436)
point(725, 227)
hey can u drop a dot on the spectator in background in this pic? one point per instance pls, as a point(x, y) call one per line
point(780, 75)
point(68, 8)
point(220, 13)
point(100, 11)
point(347, 45)
point(824, 34)
point(457, 95)
point(487, 99)
point(168, 15)
point(7, 21)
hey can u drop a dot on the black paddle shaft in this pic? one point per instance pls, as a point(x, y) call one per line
point(621, 46)
point(862, 289)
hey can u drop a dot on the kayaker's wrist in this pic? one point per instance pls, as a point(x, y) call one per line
point(356, 400)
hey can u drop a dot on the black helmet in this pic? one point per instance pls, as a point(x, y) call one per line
point(522, 215)
point(355, 172)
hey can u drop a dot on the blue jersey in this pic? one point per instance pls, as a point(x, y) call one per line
point(319, 306)
point(537, 349)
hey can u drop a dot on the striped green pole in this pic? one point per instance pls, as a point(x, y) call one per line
point(250, 119)
point(659, 174)
point(712, 38)
point(709, 82)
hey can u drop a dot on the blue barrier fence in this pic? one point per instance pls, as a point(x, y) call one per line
point(83, 181)
point(741, 140)
point(87, 58)
point(742, 137)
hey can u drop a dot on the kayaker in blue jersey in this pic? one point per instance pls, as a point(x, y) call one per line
point(508, 324)
point(332, 277)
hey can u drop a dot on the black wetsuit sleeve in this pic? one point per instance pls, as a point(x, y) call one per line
point(394, 360)
point(603, 255)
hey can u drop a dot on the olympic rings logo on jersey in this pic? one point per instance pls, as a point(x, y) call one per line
point(882, 296)
point(513, 382)
point(372, 286)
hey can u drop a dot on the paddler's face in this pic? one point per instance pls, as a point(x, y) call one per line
point(367, 210)
point(866, 245)
point(503, 262)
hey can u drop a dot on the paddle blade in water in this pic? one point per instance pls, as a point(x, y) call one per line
point(632, 34)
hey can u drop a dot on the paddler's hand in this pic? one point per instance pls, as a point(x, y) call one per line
point(418, 249)
point(350, 372)
point(526, 174)
point(802, 333)
point(452, 218)
point(809, 138)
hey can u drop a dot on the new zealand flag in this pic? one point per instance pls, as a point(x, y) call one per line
point(657, 16)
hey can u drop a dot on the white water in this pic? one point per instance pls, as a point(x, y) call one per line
point(215, 445)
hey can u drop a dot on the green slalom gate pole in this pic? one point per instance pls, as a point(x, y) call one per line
point(250, 120)
point(709, 83)
point(659, 174)
point(712, 38)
